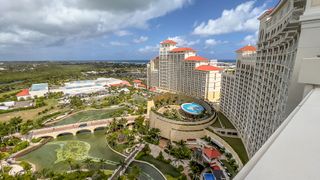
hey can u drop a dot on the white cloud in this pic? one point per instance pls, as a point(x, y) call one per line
point(121, 33)
point(242, 18)
point(250, 39)
point(68, 20)
point(183, 42)
point(141, 39)
point(212, 42)
point(148, 49)
point(117, 43)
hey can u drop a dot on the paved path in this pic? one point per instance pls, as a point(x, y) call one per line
point(122, 168)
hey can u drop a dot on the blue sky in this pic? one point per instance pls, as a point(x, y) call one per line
point(125, 29)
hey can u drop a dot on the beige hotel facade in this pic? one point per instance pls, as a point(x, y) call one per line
point(181, 70)
point(264, 88)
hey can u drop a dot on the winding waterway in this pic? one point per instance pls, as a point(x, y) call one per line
point(53, 155)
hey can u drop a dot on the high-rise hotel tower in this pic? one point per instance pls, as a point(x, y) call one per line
point(264, 90)
point(181, 70)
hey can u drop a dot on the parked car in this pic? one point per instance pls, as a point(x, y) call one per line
point(83, 125)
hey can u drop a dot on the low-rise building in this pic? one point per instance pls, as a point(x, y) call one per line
point(39, 90)
point(23, 95)
point(210, 154)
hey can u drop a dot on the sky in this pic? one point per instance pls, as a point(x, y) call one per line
point(125, 29)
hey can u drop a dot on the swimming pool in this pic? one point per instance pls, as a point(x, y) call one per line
point(192, 108)
point(208, 176)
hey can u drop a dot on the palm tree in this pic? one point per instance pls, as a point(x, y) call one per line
point(181, 143)
point(88, 162)
point(113, 125)
point(135, 172)
point(122, 163)
point(70, 163)
point(102, 163)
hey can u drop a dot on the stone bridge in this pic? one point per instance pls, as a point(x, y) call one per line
point(89, 126)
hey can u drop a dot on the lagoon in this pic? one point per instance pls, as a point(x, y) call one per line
point(53, 155)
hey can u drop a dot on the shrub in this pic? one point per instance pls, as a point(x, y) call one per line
point(35, 140)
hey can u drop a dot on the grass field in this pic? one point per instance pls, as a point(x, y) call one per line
point(31, 114)
point(89, 115)
point(165, 168)
point(227, 124)
point(216, 124)
point(238, 146)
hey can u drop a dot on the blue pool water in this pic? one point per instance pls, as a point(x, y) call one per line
point(208, 176)
point(192, 108)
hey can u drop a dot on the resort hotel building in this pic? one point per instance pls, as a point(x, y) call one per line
point(181, 70)
point(265, 88)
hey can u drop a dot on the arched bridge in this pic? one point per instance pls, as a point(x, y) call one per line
point(89, 126)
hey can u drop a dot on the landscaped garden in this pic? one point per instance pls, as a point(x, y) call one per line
point(90, 115)
point(77, 150)
point(119, 136)
point(229, 168)
point(161, 163)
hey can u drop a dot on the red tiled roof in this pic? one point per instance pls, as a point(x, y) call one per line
point(270, 10)
point(215, 168)
point(196, 58)
point(116, 85)
point(123, 83)
point(152, 89)
point(182, 49)
point(137, 81)
point(211, 153)
point(168, 41)
point(267, 12)
point(24, 92)
point(142, 85)
point(208, 68)
point(247, 48)
point(126, 83)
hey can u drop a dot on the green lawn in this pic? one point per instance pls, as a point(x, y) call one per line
point(237, 146)
point(31, 114)
point(216, 124)
point(89, 115)
point(228, 166)
point(227, 124)
point(166, 169)
point(235, 143)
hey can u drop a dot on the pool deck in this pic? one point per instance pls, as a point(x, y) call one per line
point(192, 108)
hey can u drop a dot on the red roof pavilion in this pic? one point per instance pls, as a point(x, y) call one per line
point(211, 153)
point(24, 92)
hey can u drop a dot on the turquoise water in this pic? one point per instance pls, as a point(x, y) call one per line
point(192, 108)
point(49, 156)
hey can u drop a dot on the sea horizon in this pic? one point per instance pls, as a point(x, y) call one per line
point(91, 61)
